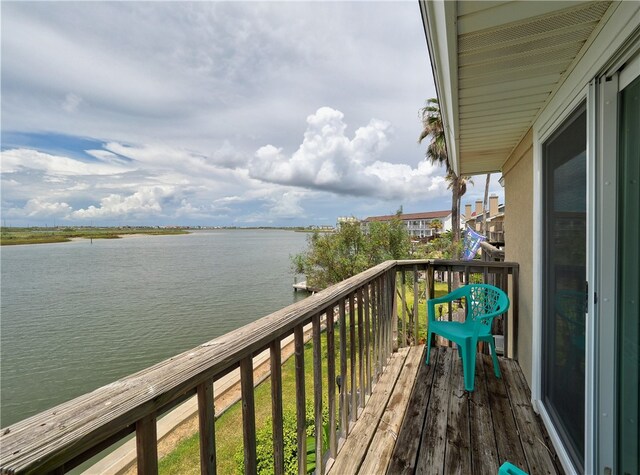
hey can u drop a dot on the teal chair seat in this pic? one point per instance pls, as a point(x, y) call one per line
point(484, 303)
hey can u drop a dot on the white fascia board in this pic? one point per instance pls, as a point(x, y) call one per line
point(440, 23)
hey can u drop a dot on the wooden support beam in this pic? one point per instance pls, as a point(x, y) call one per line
point(301, 401)
point(317, 391)
point(206, 420)
point(248, 416)
point(147, 445)
point(276, 407)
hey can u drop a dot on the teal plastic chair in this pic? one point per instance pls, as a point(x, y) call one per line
point(508, 468)
point(484, 303)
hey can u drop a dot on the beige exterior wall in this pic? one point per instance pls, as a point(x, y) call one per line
point(518, 185)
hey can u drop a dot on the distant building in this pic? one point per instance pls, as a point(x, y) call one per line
point(419, 225)
point(494, 216)
point(346, 219)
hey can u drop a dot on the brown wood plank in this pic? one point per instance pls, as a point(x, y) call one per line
point(317, 391)
point(379, 454)
point(403, 280)
point(207, 429)
point(344, 401)
point(538, 455)
point(405, 452)
point(276, 407)
point(248, 416)
point(147, 445)
point(484, 455)
point(504, 424)
point(354, 450)
point(432, 451)
point(331, 382)
point(301, 401)
point(367, 339)
point(361, 364)
point(515, 306)
point(414, 322)
point(458, 454)
point(353, 372)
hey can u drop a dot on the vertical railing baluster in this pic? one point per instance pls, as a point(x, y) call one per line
point(353, 405)
point(380, 349)
point(147, 445)
point(514, 310)
point(301, 400)
point(393, 311)
point(505, 316)
point(317, 390)
point(416, 293)
point(367, 337)
point(361, 363)
point(206, 420)
point(374, 329)
point(449, 279)
point(331, 382)
point(403, 280)
point(386, 295)
point(276, 407)
point(248, 416)
point(344, 401)
point(381, 315)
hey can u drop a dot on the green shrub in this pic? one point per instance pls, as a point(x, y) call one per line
point(264, 443)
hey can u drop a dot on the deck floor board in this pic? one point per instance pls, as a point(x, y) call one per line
point(448, 430)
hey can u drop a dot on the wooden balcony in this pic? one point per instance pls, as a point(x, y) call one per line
point(368, 333)
point(423, 421)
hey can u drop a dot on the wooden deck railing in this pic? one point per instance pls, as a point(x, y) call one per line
point(360, 312)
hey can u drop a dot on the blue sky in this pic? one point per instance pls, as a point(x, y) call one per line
point(230, 113)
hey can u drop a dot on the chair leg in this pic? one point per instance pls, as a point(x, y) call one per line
point(469, 363)
point(494, 357)
point(428, 348)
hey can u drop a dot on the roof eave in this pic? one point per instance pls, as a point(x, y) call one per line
point(439, 21)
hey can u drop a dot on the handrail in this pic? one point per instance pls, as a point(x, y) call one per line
point(63, 437)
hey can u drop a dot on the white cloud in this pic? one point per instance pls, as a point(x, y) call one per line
point(147, 200)
point(328, 160)
point(208, 99)
point(38, 208)
point(55, 165)
point(288, 206)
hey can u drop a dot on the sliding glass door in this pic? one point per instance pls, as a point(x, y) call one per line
point(564, 281)
point(628, 315)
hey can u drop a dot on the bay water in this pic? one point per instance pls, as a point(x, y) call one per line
point(76, 316)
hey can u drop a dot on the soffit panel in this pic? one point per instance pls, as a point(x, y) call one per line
point(511, 57)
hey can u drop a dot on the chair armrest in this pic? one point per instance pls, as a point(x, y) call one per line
point(450, 297)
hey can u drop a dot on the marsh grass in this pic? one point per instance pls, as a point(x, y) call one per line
point(14, 236)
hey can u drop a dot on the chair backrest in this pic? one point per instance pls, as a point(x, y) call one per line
point(484, 303)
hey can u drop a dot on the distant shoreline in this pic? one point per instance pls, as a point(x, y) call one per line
point(11, 236)
point(21, 236)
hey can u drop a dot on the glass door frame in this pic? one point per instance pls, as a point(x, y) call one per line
point(606, 91)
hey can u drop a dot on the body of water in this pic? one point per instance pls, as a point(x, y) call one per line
point(76, 316)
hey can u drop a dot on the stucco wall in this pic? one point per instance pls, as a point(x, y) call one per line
point(518, 222)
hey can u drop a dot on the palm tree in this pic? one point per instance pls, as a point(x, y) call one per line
point(485, 226)
point(436, 153)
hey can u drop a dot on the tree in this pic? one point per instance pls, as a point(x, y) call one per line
point(436, 225)
point(333, 257)
point(485, 226)
point(436, 153)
